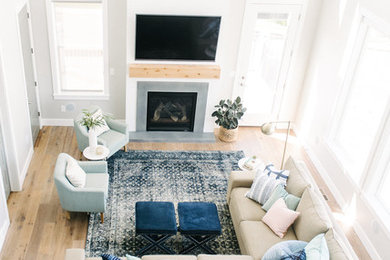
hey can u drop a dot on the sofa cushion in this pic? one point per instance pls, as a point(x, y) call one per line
point(75, 174)
point(279, 218)
point(242, 208)
point(286, 250)
point(169, 257)
point(224, 257)
point(296, 182)
point(97, 180)
point(313, 219)
point(257, 238)
point(279, 192)
point(265, 182)
point(337, 249)
point(317, 249)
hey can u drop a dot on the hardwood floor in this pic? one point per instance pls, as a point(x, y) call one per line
point(39, 227)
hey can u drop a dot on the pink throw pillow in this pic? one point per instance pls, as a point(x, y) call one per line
point(279, 218)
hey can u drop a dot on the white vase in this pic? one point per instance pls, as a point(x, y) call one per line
point(92, 138)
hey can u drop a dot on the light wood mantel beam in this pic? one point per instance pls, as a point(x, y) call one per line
point(174, 71)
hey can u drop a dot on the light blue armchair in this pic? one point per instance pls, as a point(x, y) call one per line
point(92, 197)
point(114, 139)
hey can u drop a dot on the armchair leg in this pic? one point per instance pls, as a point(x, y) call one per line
point(125, 148)
point(102, 217)
point(67, 215)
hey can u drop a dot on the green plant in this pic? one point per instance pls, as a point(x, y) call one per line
point(91, 121)
point(228, 113)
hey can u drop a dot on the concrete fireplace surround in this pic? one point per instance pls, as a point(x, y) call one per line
point(198, 135)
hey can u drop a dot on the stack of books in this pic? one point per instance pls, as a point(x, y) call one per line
point(251, 163)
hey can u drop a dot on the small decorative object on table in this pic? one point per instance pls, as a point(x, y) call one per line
point(250, 163)
point(99, 153)
point(99, 150)
point(228, 113)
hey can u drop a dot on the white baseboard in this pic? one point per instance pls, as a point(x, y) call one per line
point(321, 170)
point(56, 122)
point(329, 182)
point(366, 242)
point(339, 198)
point(24, 171)
point(3, 231)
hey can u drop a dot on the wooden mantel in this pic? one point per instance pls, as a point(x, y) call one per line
point(174, 71)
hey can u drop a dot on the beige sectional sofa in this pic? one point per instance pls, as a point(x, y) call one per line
point(79, 254)
point(255, 237)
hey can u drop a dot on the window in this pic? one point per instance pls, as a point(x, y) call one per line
point(78, 49)
point(365, 106)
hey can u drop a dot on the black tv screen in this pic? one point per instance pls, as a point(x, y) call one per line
point(162, 37)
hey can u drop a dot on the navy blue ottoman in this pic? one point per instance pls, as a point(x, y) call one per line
point(199, 222)
point(156, 222)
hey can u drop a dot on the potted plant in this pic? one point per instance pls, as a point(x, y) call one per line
point(92, 121)
point(228, 113)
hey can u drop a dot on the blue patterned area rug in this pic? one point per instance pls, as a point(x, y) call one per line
point(161, 176)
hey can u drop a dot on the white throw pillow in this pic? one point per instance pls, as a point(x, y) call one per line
point(104, 127)
point(265, 183)
point(75, 174)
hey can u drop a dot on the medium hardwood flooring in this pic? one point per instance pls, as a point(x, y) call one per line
point(39, 227)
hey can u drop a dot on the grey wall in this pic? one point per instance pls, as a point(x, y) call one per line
point(50, 108)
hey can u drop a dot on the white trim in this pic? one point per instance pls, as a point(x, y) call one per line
point(23, 173)
point(80, 97)
point(34, 65)
point(8, 130)
point(4, 230)
point(322, 171)
point(6, 224)
point(290, 47)
point(57, 122)
point(324, 174)
point(339, 198)
point(366, 241)
point(59, 94)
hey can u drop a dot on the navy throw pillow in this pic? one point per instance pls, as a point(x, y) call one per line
point(109, 257)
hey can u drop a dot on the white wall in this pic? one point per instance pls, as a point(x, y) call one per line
point(324, 78)
point(13, 97)
point(231, 12)
point(50, 108)
point(4, 217)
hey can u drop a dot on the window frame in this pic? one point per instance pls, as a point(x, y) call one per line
point(58, 93)
point(365, 22)
point(374, 171)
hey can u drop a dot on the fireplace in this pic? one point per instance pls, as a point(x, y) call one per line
point(171, 111)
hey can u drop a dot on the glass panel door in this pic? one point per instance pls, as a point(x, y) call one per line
point(264, 57)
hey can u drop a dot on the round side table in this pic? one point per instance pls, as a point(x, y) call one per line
point(93, 156)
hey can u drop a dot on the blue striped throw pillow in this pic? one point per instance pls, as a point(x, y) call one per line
point(265, 183)
point(109, 257)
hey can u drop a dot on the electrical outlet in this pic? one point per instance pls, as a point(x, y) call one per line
point(112, 71)
point(63, 108)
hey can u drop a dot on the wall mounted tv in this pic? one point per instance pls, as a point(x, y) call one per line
point(163, 37)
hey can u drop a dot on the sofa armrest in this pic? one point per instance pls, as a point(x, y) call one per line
point(93, 166)
point(240, 179)
point(117, 126)
point(74, 254)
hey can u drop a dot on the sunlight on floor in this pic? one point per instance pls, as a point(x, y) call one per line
point(348, 217)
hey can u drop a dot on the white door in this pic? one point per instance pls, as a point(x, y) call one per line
point(266, 47)
point(3, 166)
point(29, 71)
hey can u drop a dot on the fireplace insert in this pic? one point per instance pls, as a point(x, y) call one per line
point(171, 111)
